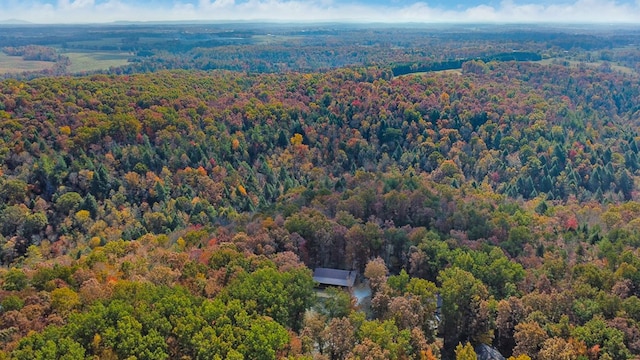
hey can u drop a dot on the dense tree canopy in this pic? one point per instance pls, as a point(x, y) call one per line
point(177, 214)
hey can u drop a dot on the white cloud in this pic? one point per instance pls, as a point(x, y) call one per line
point(67, 5)
point(88, 11)
point(216, 4)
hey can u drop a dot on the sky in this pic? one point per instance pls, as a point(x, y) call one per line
point(388, 11)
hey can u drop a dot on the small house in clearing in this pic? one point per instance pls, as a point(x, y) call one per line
point(334, 277)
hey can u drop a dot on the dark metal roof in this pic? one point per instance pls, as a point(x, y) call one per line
point(486, 352)
point(334, 277)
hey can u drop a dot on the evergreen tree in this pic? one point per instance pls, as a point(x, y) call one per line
point(100, 185)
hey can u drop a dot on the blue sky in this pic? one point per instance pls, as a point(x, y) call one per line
point(427, 11)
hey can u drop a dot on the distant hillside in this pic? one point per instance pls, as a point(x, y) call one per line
point(14, 22)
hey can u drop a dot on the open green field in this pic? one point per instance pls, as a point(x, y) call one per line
point(270, 39)
point(15, 64)
point(449, 71)
point(95, 60)
point(576, 63)
point(80, 62)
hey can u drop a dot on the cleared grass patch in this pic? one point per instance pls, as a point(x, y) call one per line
point(449, 71)
point(15, 64)
point(274, 39)
point(594, 64)
point(95, 60)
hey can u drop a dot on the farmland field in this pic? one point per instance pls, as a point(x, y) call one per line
point(15, 64)
point(96, 60)
point(596, 64)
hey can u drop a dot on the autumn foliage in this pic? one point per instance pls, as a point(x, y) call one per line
point(177, 214)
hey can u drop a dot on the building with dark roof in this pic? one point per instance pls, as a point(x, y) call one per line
point(334, 277)
point(486, 352)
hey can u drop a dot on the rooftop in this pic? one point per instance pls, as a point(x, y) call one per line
point(334, 277)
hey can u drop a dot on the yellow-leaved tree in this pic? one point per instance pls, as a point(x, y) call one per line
point(465, 352)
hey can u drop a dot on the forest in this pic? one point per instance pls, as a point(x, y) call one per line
point(279, 48)
point(178, 213)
